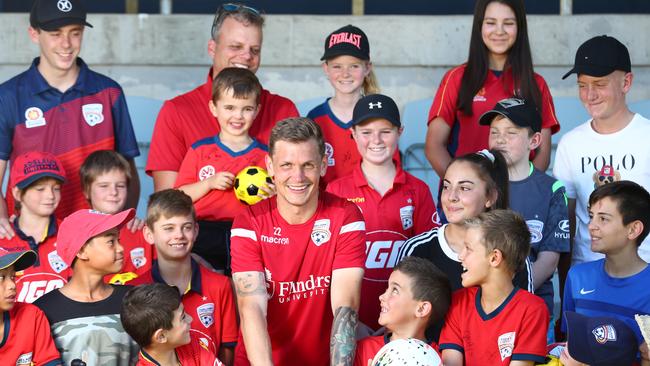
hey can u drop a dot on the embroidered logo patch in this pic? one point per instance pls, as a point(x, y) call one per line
point(206, 172)
point(24, 360)
point(57, 264)
point(536, 229)
point(604, 333)
point(34, 117)
point(320, 233)
point(137, 257)
point(93, 113)
point(206, 314)
point(406, 214)
point(506, 342)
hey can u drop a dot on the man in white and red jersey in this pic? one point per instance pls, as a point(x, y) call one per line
point(236, 42)
point(297, 260)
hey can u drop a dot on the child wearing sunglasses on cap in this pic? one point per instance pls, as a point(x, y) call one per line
point(25, 337)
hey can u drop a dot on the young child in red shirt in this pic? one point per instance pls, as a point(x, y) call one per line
point(36, 179)
point(208, 171)
point(206, 295)
point(490, 321)
point(417, 296)
point(105, 177)
point(155, 318)
point(25, 337)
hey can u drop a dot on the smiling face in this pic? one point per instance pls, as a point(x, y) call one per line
point(179, 334)
point(346, 73)
point(398, 307)
point(107, 193)
point(173, 237)
point(235, 115)
point(40, 198)
point(604, 96)
point(59, 48)
point(513, 141)
point(464, 194)
point(103, 253)
point(474, 258)
point(499, 28)
point(608, 233)
point(237, 45)
point(376, 140)
point(7, 288)
point(296, 168)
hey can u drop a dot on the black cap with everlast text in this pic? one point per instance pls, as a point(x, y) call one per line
point(350, 41)
point(50, 15)
point(601, 56)
point(376, 106)
point(519, 111)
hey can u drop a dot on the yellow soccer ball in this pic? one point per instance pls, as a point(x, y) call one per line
point(248, 182)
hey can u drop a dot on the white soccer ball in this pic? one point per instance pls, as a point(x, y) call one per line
point(407, 352)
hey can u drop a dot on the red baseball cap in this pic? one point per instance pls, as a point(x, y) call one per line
point(29, 167)
point(83, 225)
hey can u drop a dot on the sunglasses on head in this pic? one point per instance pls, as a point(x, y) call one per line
point(230, 8)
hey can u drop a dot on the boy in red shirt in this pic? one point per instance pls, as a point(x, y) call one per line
point(36, 179)
point(490, 322)
point(155, 318)
point(25, 337)
point(105, 177)
point(206, 295)
point(208, 171)
point(418, 295)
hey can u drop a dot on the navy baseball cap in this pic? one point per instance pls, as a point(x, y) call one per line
point(50, 15)
point(20, 259)
point(521, 112)
point(601, 56)
point(376, 106)
point(600, 341)
point(349, 41)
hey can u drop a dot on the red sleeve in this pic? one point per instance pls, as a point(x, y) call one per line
point(167, 148)
point(549, 120)
point(444, 104)
point(187, 173)
point(425, 210)
point(530, 340)
point(245, 251)
point(229, 331)
point(451, 336)
point(44, 349)
point(288, 109)
point(351, 243)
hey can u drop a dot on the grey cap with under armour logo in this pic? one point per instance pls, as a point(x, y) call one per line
point(50, 15)
point(376, 106)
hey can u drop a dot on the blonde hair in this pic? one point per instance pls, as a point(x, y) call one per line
point(370, 84)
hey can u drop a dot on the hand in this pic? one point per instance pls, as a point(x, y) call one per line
point(267, 191)
point(222, 181)
point(643, 349)
point(135, 224)
point(6, 231)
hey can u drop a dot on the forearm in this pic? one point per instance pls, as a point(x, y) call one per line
point(435, 146)
point(163, 179)
point(256, 336)
point(133, 195)
point(226, 355)
point(544, 267)
point(342, 340)
point(196, 190)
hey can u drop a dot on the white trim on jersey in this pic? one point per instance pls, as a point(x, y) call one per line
point(353, 226)
point(529, 268)
point(243, 233)
point(409, 245)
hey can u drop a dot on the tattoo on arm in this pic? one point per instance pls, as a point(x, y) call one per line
point(247, 284)
point(342, 342)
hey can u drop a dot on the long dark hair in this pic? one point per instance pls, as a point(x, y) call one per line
point(519, 59)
